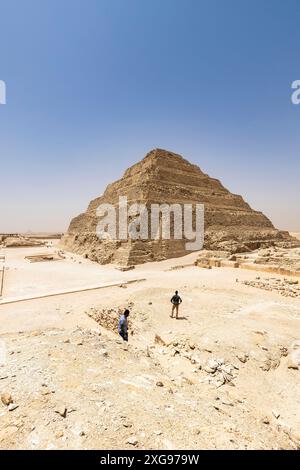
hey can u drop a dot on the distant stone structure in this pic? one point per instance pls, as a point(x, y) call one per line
point(163, 177)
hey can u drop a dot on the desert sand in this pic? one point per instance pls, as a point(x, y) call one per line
point(224, 375)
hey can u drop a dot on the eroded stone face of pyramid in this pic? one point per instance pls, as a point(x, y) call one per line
point(163, 177)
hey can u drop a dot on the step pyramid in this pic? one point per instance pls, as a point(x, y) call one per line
point(163, 177)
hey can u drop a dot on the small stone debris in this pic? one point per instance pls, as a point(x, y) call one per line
point(294, 357)
point(272, 361)
point(185, 348)
point(125, 268)
point(221, 372)
point(275, 414)
point(262, 333)
point(159, 340)
point(159, 384)
point(284, 287)
point(187, 380)
point(242, 357)
point(132, 441)
point(227, 403)
point(12, 407)
point(292, 365)
point(6, 399)
point(103, 353)
point(283, 351)
point(77, 431)
point(35, 440)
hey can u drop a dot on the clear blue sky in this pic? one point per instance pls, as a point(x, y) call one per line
point(93, 85)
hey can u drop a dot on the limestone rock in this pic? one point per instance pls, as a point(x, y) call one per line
point(12, 407)
point(6, 399)
point(163, 177)
point(242, 357)
point(132, 441)
point(159, 340)
point(294, 357)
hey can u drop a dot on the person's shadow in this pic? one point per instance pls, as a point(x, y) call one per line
point(182, 318)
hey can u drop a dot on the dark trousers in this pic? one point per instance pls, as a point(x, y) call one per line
point(123, 335)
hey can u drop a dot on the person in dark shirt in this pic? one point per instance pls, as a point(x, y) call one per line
point(176, 301)
point(123, 325)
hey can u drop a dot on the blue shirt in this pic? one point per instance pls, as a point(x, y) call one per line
point(123, 325)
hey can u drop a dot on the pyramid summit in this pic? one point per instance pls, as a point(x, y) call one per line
point(163, 177)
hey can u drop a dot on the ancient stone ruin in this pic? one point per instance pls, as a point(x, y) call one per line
point(163, 177)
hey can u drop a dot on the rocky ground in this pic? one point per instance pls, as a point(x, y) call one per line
point(78, 389)
point(285, 287)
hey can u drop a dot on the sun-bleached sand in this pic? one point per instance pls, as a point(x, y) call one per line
point(55, 357)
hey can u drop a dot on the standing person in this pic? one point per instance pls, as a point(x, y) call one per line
point(176, 301)
point(123, 325)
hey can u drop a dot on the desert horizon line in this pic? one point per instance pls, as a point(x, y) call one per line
point(160, 152)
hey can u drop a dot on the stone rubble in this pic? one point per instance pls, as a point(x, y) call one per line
point(285, 287)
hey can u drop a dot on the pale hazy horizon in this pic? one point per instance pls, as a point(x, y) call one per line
point(53, 219)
